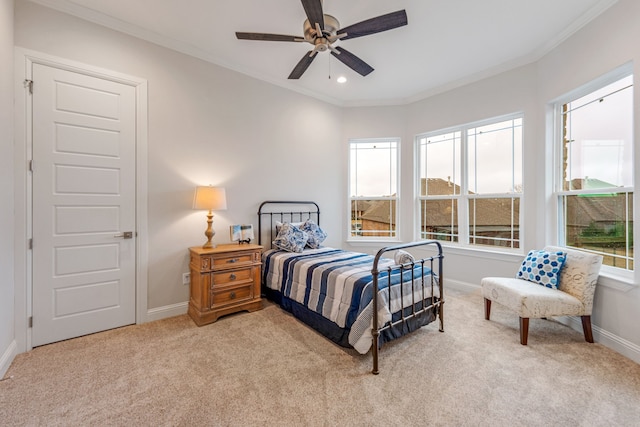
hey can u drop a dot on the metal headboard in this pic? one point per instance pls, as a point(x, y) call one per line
point(272, 211)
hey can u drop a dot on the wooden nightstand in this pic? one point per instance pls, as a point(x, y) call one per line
point(224, 280)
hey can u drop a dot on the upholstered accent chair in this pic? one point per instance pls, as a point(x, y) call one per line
point(573, 297)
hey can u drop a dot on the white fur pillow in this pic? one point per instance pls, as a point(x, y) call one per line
point(403, 257)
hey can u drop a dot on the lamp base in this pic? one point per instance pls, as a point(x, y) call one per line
point(209, 232)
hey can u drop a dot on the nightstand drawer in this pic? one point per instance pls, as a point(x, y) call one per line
point(228, 277)
point(233, 295)
point(224, 280)
point(233, 260)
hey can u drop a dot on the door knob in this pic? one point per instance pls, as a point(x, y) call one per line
point(125, 235)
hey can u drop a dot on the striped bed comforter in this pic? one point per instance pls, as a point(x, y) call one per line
point(337, 285)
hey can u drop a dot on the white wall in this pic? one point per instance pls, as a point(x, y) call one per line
point(207, 125)
point(378, 122)
point(605, 44)
point(598, 48)
point(510, 92)
point(211, 125)
point(7, 342)
point(513, 91)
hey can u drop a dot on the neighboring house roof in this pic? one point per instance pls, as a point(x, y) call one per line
point(361, 205)
point(497, 212)
point(590, 209)
point(379, 211)
point(438, 187)
point(442, 213)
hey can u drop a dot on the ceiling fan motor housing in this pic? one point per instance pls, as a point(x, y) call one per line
point(321, 30)
point(331, 27)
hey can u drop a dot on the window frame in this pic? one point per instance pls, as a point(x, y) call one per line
point(464, 197)
point(558, 193)
point(396, 199)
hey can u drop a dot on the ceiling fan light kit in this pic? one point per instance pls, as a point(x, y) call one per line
point(323, 30)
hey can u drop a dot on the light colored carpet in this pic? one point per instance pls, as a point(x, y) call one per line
point(267, 368)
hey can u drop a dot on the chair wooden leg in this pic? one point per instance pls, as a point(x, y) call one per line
point(586, 327)
point(487, 308)
point(524, 330)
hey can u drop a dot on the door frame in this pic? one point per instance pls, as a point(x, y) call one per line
point(23, 142)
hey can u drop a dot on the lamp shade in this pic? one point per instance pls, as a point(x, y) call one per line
point(210, 198)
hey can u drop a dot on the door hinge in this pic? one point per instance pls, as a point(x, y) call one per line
point(29, 84)
point(30, 243)
point(30, 165)
point(31, 321)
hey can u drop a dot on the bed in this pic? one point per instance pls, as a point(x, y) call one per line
point(330, 289)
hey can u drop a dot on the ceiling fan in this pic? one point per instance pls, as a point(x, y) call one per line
point(323, 30)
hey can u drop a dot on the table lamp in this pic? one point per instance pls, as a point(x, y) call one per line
point(211, 199)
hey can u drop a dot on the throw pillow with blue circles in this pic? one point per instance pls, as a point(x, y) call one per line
point(542, 267)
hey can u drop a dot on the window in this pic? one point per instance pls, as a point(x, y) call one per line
point(470, 183)
point(595, 171)
point(373, 188)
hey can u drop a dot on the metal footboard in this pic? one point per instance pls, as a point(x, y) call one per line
point(419, 284)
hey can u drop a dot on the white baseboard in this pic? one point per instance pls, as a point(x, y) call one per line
point(606, 338)
point(460, 286)
point(7, 358)
point(167, 311)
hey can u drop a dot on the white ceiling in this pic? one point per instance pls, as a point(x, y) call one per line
point(446, 43)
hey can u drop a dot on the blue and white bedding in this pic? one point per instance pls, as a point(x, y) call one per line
point(337, 285)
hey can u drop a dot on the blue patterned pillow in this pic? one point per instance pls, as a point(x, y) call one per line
point(291, 238)
point(279, 225)
point(542, 267)
point(316, 234)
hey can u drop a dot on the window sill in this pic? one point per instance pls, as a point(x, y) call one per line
point(484, 252)
point(373, 242)
point(617, 282)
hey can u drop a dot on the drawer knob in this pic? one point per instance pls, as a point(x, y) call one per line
point(232, 295)
point(232, 276)
point(232, 260)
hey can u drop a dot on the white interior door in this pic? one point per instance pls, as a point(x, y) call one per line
point(84, 162)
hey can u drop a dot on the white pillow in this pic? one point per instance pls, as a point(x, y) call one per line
point(403, 257)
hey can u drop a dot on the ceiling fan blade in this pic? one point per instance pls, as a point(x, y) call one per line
point(268, 37)
point(352, 61)
point(302, 66)
point(313, 9)
point(375, 25)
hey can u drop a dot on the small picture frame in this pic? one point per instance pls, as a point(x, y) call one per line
point(241, 233)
